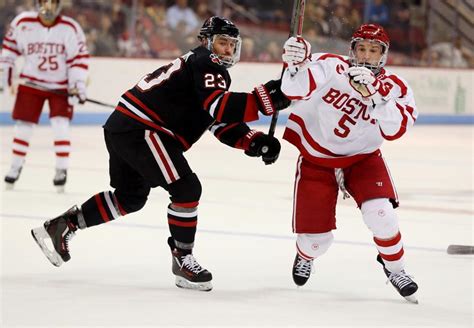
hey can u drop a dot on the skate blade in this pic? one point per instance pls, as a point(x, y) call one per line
point(9, 186)
point(412, 299)
point(39, 235)
point(202, 286)
point(60, 189)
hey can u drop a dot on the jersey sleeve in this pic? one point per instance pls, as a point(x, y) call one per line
point(236, 135)
point(212, 82)
point(301, 85)
point(10, 52)
point(399, 112)
point(77, 60)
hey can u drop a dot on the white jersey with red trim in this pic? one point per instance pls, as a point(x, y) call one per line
point(56, 57)
point(331, 123)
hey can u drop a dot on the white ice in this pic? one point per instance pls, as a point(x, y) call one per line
point(120, 272)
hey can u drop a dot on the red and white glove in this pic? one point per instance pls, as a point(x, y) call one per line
point(366, 83)
point(296, 53)
point(77, 93)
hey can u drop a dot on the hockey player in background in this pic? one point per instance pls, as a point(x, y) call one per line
point(154, 123)
point(344, 108)
point(56, 58)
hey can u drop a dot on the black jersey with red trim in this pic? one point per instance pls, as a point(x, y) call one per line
point(184, 98)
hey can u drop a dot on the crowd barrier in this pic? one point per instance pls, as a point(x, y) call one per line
point(443, 96)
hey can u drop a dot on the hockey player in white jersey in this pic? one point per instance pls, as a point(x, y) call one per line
point(343, 109)
point(56, 58)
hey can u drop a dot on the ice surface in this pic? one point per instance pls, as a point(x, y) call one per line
point(120, 273)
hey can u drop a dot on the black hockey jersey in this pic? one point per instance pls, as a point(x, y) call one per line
point(185, 98)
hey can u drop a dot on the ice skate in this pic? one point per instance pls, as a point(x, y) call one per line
point(60, 230)
point(12, 176)
point(402, 282)
point(301, 270)
point(189, 274)
point(59, 180)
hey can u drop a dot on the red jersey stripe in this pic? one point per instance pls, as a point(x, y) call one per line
point(403, 126)
point(211, 97)
point(326, 56)
point(141, 105)
point(221, 110)
point(399, 82)
point(77, 57)
point(298, 120)
point(83, 66)
point(11, 49)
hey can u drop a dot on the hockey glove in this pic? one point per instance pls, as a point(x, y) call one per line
point(270, 98)
point(366, 83)
point(296, 53)
point(266, 146)
point(77, 94)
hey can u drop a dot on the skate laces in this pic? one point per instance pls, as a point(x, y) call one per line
point(303, 268)
point(191, 264)
point(400, 280)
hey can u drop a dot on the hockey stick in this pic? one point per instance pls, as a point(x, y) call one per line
point(65, 93)
point(296, 29)
point(460, 250)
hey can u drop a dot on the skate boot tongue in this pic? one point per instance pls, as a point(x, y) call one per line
point(191, 264)
point(403, 283)
point(302, 269)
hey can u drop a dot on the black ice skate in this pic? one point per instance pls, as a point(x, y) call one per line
point(60, 179)
point(301, 270)
point(189, 274)
point(12, 176)
point(402, 283)
point(60, 230)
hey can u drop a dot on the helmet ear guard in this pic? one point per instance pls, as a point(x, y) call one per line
point(216, 26)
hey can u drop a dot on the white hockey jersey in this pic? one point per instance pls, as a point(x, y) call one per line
point(331, 123)
point(56, 57)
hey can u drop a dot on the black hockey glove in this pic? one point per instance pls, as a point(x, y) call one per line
point(270, 98)
point(266, 146)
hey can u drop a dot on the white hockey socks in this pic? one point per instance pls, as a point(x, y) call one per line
point(62, 142)
point(312, 245)
point(21, 141)
point(381, 219)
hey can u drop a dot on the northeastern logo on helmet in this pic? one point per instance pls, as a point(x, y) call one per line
point(215, 59)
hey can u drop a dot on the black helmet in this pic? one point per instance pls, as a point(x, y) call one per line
point(218, 25)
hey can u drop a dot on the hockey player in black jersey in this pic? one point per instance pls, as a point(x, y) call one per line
point(154, 123)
